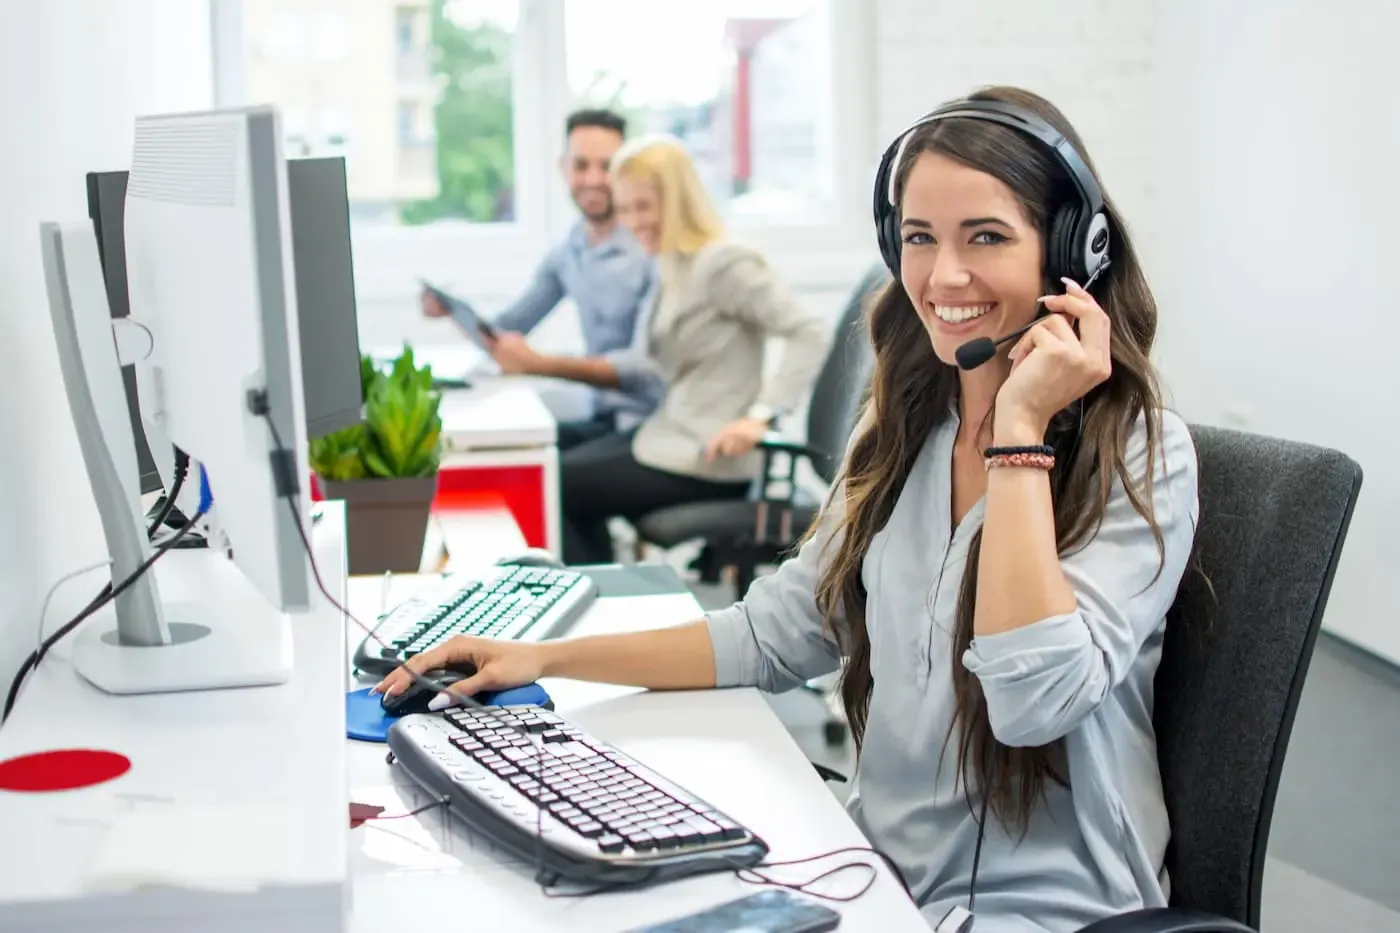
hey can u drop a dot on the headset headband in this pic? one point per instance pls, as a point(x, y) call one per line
point(1077, 234)
point(993, 111)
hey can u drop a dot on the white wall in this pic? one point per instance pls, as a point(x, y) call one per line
point(1266, 226)
point(1280, 245)
point(1092, 58)
point(73, 75)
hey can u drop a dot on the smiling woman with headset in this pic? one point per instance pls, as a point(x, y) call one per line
point(995, 564)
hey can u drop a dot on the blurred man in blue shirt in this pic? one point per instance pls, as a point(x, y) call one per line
point(598, 265)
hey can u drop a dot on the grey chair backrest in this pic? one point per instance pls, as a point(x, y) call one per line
point(1274, 517)
point(839, 391)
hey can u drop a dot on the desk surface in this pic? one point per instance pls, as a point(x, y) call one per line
point(495, 413)
point(285, 747)
point(277, 752)
point(725, 745)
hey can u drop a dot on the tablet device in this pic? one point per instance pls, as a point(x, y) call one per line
point(478, 330)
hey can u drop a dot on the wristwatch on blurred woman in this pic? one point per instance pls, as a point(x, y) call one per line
point(763, 413)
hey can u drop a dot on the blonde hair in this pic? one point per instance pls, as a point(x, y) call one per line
point(689, 220)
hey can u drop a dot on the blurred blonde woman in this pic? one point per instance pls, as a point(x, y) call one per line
point(698, 355)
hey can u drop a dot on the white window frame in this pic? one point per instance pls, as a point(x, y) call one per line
point(498, 258)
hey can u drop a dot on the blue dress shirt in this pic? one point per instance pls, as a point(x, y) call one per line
point(608, 282)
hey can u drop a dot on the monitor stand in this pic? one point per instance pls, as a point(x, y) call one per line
point(222, 633)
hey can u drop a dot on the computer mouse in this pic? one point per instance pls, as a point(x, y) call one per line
point(534, 557)
point(420, 693)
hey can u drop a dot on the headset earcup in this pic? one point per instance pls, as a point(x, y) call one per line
point(890, 246)
point(1061, 251)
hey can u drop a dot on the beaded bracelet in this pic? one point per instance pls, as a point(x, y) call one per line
point(1036, 460)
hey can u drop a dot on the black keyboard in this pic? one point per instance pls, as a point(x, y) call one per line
point(606, 818)
point(522, 603)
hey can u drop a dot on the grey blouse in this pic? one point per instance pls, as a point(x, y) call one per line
point(1095, 848)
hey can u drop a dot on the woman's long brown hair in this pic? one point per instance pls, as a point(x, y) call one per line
point(912, 393)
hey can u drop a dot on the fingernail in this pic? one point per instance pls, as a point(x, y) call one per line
point(1069, 282)
point(441, 701)
point(1045, 298)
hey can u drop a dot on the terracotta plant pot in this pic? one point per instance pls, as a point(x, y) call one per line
point(386, 521)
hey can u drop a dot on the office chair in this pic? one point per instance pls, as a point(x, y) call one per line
point(1274, 517)
point(765, 526)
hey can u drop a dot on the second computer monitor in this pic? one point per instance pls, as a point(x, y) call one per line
point(106, 195)
point(325, 291)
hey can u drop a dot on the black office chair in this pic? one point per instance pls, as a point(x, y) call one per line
point(765, 526)
point(1274, 517)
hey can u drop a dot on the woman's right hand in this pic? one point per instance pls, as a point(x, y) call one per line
point(500, 665)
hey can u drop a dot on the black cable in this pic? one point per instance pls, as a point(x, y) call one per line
point(182, 467)
point(977, 851)
point(289, 487)
point(108, 593)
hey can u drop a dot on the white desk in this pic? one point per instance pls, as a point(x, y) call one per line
point(286, 746)
point(727, 746)
point(282, 747)
point(499, 437)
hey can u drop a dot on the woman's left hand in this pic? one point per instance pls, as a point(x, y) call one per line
point(736, 438)
point(1051, 366)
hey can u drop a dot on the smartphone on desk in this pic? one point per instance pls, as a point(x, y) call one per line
point(765, 912)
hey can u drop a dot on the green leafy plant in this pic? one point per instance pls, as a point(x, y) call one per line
point(401, 433)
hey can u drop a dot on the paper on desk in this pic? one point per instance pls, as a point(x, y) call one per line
point(430, 841)
point(210, 846)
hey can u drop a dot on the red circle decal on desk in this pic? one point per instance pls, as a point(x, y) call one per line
point(65, 769)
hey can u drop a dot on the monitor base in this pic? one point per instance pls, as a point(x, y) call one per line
point(209, 649)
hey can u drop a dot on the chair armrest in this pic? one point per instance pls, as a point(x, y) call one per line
point(776, 443)
point(1167, 920)
point(761, 492)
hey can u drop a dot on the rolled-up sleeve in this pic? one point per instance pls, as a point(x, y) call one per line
point(777, 638)
point(1041, 680)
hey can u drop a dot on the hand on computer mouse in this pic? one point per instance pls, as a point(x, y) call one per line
point(500, 665)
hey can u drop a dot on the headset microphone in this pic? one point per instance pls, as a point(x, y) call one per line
point(976, 352)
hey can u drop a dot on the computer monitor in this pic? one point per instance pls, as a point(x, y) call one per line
point(325, 281)
point(106, 196)
point(325, 285)
point(214, 333)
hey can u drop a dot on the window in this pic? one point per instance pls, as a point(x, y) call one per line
point(281, 38)
point(405, 30)
point(330, 36)
point(745, 83)
point(333, 130)
point(450, 115)
point(461, 93)
point(296, 133)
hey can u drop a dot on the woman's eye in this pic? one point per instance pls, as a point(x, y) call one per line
point(988, 238)
point(917, 238)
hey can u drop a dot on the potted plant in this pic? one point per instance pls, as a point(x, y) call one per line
point(385, 468)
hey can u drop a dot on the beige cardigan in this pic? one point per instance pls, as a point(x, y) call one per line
point(702, 343)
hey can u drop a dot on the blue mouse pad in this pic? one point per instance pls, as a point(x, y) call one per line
point(366, 720)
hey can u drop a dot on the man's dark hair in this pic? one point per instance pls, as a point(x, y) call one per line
point(605, 119)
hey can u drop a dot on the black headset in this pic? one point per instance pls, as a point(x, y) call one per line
point(1077, 241)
